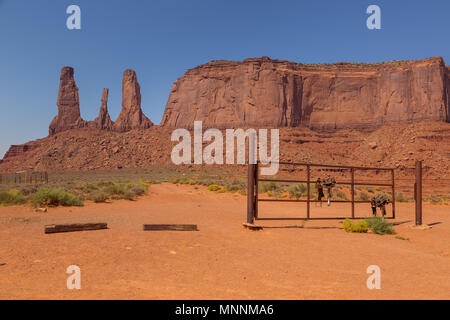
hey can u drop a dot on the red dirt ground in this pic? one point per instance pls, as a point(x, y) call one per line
point(222, 260)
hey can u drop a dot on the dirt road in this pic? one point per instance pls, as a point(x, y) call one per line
point(222, 260)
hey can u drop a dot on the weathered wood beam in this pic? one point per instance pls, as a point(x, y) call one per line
point(170, 227)
point(58, 228)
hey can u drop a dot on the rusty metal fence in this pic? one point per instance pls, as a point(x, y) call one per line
point(24, 177)
point(253, 193)
point(254, 179)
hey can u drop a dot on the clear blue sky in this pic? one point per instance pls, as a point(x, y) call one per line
point(162, 39)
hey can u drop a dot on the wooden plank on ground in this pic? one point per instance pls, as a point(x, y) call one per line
point(252, 226)
point(170, 227)
point(58, 228)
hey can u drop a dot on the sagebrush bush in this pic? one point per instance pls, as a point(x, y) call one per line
point(340, 195)
point(380, 226)
point(213, 187)
point(362, 196)
point(12, 197)
point(268, 186)
point(357, 227)
point(52, 197)
point(99, 197)
point(400, 197)
point(297, 190)
point(236, 185)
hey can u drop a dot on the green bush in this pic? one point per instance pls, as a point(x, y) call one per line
point(137, 189)
point(55, 197)
point(358, 227)
point(380, 226)
point(297, 190)
point(222, 190)
point(236, 185)
point(115, 189)
point(103, 183)
point(267, 186)
point(213, 187)
point(12, 197)
point(99, 197)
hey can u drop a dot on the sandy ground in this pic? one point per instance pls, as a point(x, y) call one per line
point(222, 260)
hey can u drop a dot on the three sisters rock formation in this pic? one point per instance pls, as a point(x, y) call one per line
point(130, 118)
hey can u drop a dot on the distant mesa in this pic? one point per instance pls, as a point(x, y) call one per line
point(131, 117)
point(263, 92)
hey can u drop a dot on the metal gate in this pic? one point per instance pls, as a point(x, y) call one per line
point(253, 194)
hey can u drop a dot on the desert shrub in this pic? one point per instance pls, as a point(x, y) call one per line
point(55, 197)
point(115, 189)
point(137, 189)
point(128, 195)
point(99, 197)
point(436, 199)
point(90, 186)
point(278, 193)
point(340, 195)
point(12, 197)
point(380, 226)
point(103, 183)
point(297, 190)
point(268, 186)
point(400, 197)
point(145, 184)
point(358, 227)
point(370, 190)
point(236, 185)
point(362, 196)
point(347, 223)
point(222, 190)
point(29, 189)
point(213, 187)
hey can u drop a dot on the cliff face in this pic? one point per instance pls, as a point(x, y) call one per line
point(265, 92)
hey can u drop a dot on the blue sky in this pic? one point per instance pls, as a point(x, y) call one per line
point(162, 39)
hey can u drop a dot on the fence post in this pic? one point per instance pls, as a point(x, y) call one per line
point(256, 191)
point(308, 191)
point(251, 193)
point(353, 192)
point(418, 193)
point(393, 193)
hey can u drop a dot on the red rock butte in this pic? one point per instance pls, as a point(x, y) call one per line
point(264, 92)
point(130, 118)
